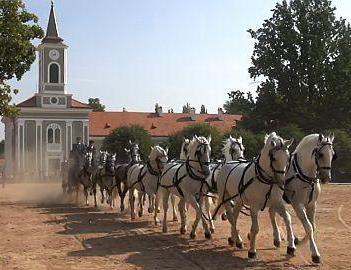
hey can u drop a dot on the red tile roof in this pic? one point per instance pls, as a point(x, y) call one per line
point(102, 123)
point(31, 102)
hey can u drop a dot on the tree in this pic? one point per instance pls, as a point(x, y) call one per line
point(95, 104)
point(18, 28)
point(203, 109)
point(119, 138)
point(186, 108)
point(238, 103)
point(302, 56)
point(203, 129)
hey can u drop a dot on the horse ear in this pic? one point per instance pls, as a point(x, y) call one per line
point(273, 143)
point(320, 137)
point(167, 149)
point(152, 148)
point(230, 137)
point(126, 150)
point(266, 138)
point(240, 139)
point(130, 142)
point(209, 138)
point(288, 143)
point(331, 137)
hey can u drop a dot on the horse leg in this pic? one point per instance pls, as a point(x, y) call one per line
point(141, 197)
point(123, 196)
point(102, 195)
point(182, 212)
point(77, 193)
point(174, 210)
point(157, 204)
point(165, 198)
point(232, 216)
point(276, 232)
point(289, 231)
point(301, 214)
point(198, 208)
point(131, 203)
point(151, 204)
point(311, 214)
point(253, 233)
point(94, 193)
point(208, 213)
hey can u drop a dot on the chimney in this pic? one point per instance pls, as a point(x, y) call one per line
point(158, 110)
point(192, 114)
point(220, 114)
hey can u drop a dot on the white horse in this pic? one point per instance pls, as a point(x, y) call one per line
point(143, 179)
point(188, 181)
point(310, 162)
point(257, 184)
point(233, 149)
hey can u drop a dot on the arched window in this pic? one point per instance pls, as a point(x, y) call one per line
point(50, 135)
point(54, 137)
point(54, 73)
point(57, 135)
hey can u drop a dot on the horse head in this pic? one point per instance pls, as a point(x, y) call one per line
point(200, 152)
point(233, 148)
point(275, 156)
point(317, 153)
point(184, 150)
point(158, 156)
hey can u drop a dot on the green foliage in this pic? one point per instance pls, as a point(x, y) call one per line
point(95, 104)
point(119, 138)
point(238, 103)
point(302, 56)
point(341, 168)
point(176, 140)
point(18, 28)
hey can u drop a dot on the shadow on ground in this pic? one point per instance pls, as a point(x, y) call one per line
point(138, 243)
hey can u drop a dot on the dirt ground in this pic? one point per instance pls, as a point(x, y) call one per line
point(39, 231)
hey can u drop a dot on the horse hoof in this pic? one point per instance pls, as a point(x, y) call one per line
point(296, 241)
point(290, 251)
point(239, 245)
point(276, 243)
point(224, 216)
point(159, 210)
point(231, 241)
point(164, 229)
point(316, 259)
point(149, 210)
point(140, 214)
point(175, 218)
point(251, 255)
point(208, 235)
point(212, 230)
point(192, 235)
point(182, 230)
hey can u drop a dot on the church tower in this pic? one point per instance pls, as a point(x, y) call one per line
point(52, 67)
point(48, 123)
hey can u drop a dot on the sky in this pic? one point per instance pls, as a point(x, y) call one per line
point(134, 53)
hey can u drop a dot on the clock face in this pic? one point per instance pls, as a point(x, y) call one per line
point(54, 54)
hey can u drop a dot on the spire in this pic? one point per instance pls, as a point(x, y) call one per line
point(51, 31)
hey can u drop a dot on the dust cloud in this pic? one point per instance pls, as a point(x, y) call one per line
point(32, 192)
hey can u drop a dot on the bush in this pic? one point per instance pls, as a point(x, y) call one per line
point(119, 138)
point(176, 140)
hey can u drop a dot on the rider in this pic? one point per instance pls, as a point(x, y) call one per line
point(79, 146)
point(92, 148)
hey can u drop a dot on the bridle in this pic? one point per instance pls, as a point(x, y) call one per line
point(232, 150)
point(198, 160)
point(271, 153)
point(317, 155)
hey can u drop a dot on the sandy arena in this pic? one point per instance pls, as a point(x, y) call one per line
point(39, 231)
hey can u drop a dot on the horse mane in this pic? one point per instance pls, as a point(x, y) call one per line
point(158, 149)
point(308, 143)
